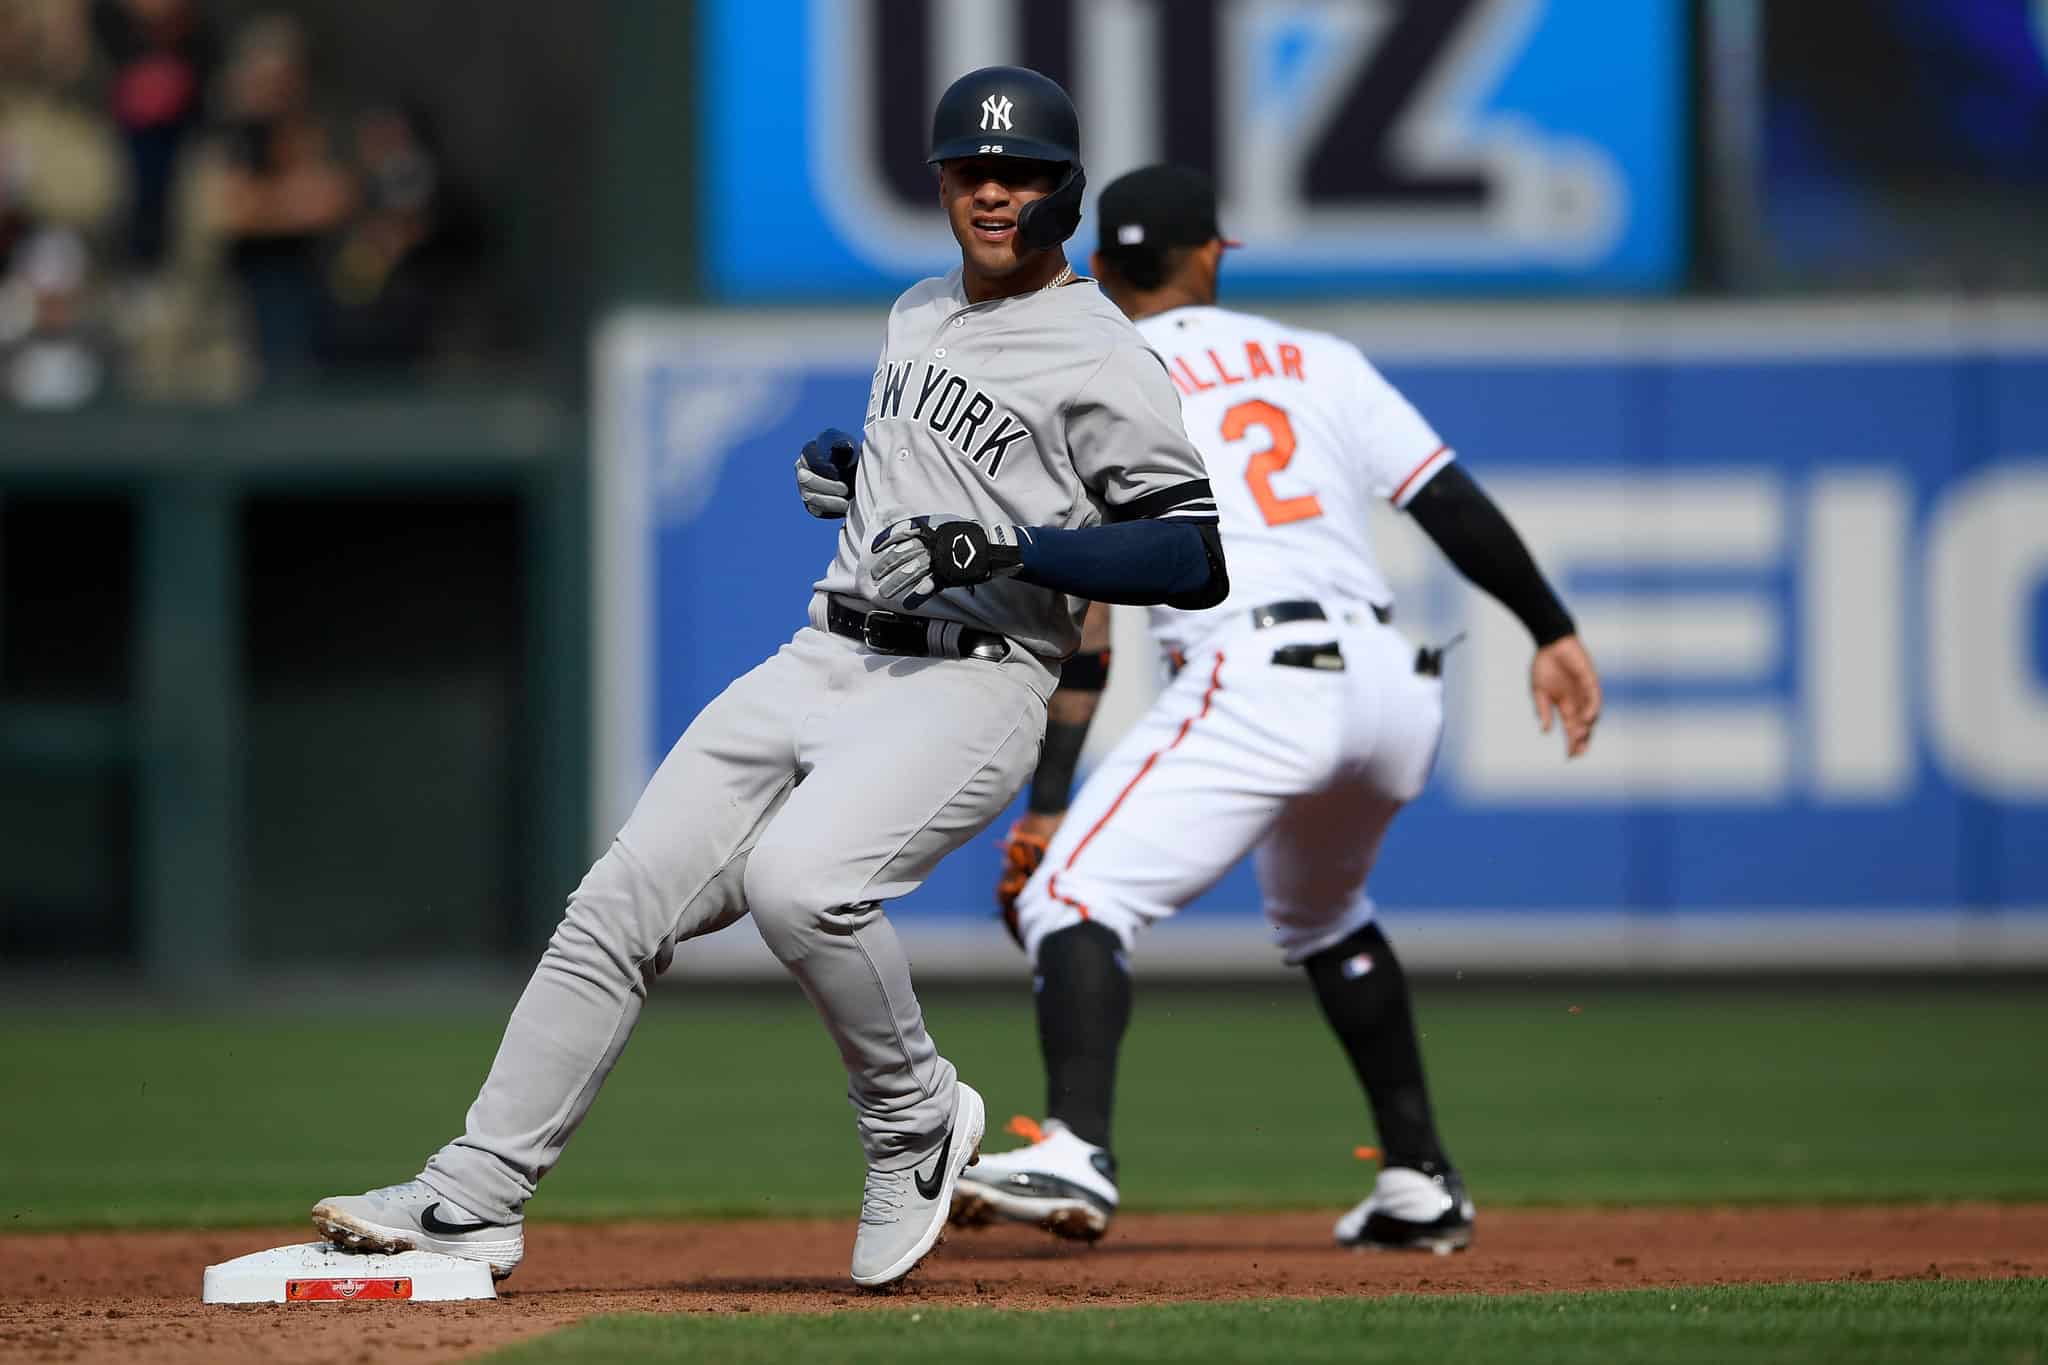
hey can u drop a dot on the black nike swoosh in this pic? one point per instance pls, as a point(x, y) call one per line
point(446, 1229)
point(929, 1189)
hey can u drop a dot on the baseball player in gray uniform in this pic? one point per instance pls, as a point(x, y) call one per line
point(1023, 448)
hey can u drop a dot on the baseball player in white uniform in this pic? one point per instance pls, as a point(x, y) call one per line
point(1297, 724)
point(1023, 448)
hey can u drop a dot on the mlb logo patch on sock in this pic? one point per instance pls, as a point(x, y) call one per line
point(1356, 966)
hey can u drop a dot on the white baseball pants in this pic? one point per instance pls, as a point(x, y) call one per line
point(1305, 765)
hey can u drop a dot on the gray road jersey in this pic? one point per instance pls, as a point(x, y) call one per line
point(1047, 409)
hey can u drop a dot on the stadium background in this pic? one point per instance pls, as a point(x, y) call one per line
point(347, 650)
point(396, 410)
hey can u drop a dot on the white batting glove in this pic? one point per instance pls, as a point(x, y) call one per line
point(899, 565)
point(919, 556)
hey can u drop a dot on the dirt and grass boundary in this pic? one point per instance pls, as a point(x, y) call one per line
point(93, 1297)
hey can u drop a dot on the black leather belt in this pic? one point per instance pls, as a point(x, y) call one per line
point(1280, 613)
point(891, 632)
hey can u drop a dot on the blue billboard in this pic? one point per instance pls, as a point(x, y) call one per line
point(1454, 144)
point(1811, 556)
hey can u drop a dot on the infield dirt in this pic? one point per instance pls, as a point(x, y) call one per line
point(94, 1297)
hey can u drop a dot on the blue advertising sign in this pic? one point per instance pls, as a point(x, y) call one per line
point(1810, 554)
point(1406, 145)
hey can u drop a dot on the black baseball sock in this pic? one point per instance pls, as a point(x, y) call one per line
point(1365, 997)
point(1084, 1004)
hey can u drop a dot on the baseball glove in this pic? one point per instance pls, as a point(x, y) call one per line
point(1022, 853)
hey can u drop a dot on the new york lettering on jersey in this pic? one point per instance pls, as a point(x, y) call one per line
point(1044, 409)
point(1300, 434)
point(955, 411)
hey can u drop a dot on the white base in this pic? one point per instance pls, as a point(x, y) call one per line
point(314, 1272)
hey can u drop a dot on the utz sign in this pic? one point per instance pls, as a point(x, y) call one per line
point(1379, 143)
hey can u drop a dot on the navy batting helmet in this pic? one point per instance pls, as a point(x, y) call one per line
point(1017, 112)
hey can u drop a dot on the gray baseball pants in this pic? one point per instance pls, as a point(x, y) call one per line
point(824, 782)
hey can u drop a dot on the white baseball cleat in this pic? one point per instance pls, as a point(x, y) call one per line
point(1059, 1182)
point(903, 1212)
point(414, 1217)
point(1409, 1210)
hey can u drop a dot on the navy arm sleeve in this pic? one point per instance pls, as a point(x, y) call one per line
point(1466, 525)
point(1162, 549)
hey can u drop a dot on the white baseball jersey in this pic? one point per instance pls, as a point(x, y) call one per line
point(1299, 432)
point(1306, 764)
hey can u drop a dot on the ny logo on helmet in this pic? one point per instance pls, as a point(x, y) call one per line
point(995, 113)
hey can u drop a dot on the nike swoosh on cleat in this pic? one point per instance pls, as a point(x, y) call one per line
point(929, 1189)
point(446, 1229)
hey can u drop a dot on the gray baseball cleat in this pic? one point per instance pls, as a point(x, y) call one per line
point(1059, 1182)
point(1410, 1210)
point(903, 1212)
point(414, 1217)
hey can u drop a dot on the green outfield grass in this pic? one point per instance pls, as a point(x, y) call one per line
point(1926, 1323)
point(734, 1104)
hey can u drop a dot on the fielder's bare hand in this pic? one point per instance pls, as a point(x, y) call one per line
point(1563, 682)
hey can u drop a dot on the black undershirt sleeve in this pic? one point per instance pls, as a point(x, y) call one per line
point(1052, 785)
point(1477, 539)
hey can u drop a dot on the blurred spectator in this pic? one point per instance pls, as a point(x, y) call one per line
point(207, 236)
point(279, 194)
point(60, 182)
point(161, 55)
point(51, 355)
point(58, 164)
point(394, 263)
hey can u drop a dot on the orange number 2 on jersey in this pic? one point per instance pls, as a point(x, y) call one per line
point(1256, 412)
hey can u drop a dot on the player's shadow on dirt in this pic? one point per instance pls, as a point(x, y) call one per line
point(1044, 1248)
point(778, 1284)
